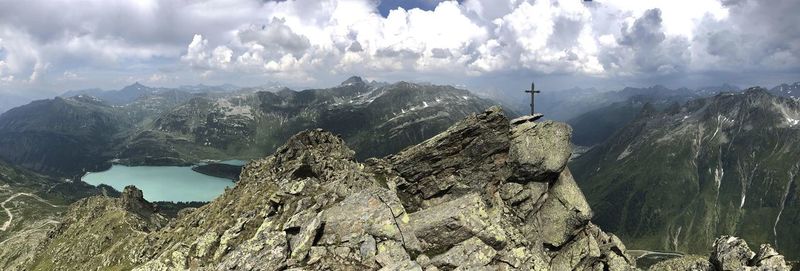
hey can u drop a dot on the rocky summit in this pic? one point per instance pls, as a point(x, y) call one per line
point(486, 194)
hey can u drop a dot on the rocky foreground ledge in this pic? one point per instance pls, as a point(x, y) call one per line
point(484, 195)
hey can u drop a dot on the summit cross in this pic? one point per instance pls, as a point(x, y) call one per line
point(533, 92)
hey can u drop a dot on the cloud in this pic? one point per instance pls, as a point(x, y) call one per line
point(644, 47)
point(275, 36)
point(318, 42)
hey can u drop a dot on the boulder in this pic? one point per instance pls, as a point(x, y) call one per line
point(538, 151)
point(730, 253)
point(443, 226)
point(768, 259)
point(563, 212)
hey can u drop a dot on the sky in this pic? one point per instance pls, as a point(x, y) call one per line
point(488, 46)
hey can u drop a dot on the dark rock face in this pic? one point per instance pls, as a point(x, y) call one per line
point(133, 200)
point(459, 200)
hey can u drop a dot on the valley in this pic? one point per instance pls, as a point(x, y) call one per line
point(675, 178)
point(399, 135)
point(164, 146)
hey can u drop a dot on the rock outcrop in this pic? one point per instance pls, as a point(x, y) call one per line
point(483, 195)
point(729, 254)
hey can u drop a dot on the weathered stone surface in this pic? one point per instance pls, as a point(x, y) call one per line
point(526, 118)
point(539, 150)
point(472, 253)
point(768, 259)
point(583, 250)
point(469, 157)
point(372, 213)
point(301, 243)
point(693, 263)
point(564, 211)
point(730, 253)
point(267, 251)
point(441, 227)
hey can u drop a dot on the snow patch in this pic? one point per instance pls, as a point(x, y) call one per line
point(744, 196)
point(792, 122)
point(624, 153)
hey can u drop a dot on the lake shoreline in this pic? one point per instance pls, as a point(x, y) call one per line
point(219, 170)
point(162, 183)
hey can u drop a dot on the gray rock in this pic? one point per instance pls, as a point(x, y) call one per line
point(730, 253)
point(768, 259)
point(684, 263)
point(368, 248)
point(526, 118)
point(376, 213)
point(539, 150)
point(441, 227)
point(563, 212)
point(464, 159)
point(472, 253)
point(301, 243)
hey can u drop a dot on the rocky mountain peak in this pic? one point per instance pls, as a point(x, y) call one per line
point(352, 81)
point(133, 200)
point(756, 91)
point(135, 85)
point(316, 142)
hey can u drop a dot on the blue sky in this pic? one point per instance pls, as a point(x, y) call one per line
point(488, 46)
point(387, 5)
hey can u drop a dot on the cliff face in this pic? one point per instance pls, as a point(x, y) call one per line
point(486, 193)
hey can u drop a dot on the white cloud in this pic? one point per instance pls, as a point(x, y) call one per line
point(311, 41)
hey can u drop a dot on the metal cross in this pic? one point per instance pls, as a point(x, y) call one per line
point(532, 92)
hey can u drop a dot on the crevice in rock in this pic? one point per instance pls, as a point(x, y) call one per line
point(394, 219)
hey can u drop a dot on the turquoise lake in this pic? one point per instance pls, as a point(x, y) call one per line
point(162, 183)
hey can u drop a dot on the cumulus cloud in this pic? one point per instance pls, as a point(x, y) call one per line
point(643, 47)
point(311, 42)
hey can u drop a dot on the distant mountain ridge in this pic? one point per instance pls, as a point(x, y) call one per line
point(563, 105)
point(161, 126)
point(61, 136)
point(376, 118)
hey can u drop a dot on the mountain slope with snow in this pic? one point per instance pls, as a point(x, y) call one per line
point(728, 164)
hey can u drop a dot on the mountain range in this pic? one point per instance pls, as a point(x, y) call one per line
point(488, 193)
point(675, 178)
point(139, 125)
